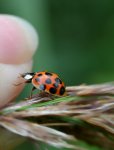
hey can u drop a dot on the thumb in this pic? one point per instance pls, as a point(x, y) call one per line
point(18, 43)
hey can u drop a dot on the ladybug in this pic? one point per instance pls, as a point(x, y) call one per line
point(45, 81)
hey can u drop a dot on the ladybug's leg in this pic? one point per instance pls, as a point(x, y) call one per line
point(33, 88)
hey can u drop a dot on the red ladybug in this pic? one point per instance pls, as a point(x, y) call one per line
point(46, 81)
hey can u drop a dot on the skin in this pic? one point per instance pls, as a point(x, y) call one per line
point(18, 43)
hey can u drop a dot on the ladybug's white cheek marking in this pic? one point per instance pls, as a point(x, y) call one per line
point(28, 76)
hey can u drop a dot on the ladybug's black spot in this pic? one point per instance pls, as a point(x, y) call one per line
point(55, 85)
point(62, 90)
point(42, 87)
point(48, 74)
point(48, 81)
point(58, 81)
point(40, 74)
point(37, 79)
point(52, 90)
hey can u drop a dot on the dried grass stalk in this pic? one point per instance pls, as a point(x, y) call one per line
point(85, 105)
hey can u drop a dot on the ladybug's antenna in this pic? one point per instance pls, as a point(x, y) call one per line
point(27, 76)
point(19, 83)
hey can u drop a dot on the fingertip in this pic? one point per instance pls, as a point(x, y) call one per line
point(18, 40)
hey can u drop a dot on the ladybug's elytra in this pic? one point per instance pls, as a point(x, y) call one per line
point(45, 81)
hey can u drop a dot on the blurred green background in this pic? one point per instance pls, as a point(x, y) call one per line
point(76, 37)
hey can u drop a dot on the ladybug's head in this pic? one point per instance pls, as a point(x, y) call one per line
point(28, 76)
